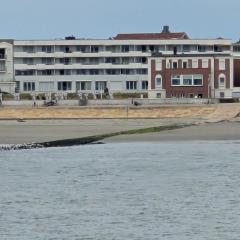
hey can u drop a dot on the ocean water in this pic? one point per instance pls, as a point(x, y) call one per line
point(122, 191)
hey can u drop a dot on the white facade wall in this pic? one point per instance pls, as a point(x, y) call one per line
point(7, 83)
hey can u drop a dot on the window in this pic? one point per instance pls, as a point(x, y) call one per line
point(205, 63)
point(81, 71)
point(29, 86)
point(144, 85)
point(158, 81)
point(218, 48)
point(83, 86)
point(175, 49)
point(151, 48)
point(236, 48)
point(175, 65)
point(222, 95)
point(47, 61)
point(28, 61)
point(125, 48)
point(46, 72)
point(28, 49)
point(168, 64)
point(112, 71)
point(47, 49)
point(131, 85)
point(158, 64)
point(65, 61)
point(94, 72)
point(195, 63)
point(82, 49)
point(143, 48)
point(2, 53)
point(184, 64)
point(142, 71)
point(197, 80)
point(221, 64)
point(186, 48)
point(144, 60)
point(94, 49)
point(2, 66)
point(125, 71)
point(201, 48)
point(100, 85)
point(187, 80)
point(67, 50)
point(221, 81)
point(25, 72)
point(176, 80)
point(65, 72)
point(64, 86)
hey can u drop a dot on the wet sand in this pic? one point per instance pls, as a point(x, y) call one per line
point(37, 131)
point(222, 131)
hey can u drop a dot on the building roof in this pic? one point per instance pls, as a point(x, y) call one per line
point(164, 35)
point(7, 41)
point(182, 55)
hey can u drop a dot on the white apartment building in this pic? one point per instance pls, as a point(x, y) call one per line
point(120, 64)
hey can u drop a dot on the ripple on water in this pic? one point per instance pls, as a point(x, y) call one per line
point(121, 191)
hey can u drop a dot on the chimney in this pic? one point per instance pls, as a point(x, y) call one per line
point(165, 29)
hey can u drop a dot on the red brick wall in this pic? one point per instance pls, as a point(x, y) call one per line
point(236, 65)
point(186, 89)
point(167, 74)
point(153, 73)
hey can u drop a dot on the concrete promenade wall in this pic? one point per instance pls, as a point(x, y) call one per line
point(100, 112)
point(124, 102)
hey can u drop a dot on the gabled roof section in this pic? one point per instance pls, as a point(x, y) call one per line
point(151, 36)
point(164, 35)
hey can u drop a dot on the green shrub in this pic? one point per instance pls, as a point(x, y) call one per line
point(7, 97)
point(120, 95)
point(72, 96)
point(53, 96)
point(90, 96)
point(41, 96)
point(25, 96)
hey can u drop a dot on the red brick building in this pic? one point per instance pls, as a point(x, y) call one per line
point(190, 75)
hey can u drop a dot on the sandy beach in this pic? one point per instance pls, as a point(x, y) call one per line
point(222, 122)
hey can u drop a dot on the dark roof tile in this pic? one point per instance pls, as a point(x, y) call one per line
point(151, 36)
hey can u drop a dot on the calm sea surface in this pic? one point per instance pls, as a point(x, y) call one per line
point(121, 191)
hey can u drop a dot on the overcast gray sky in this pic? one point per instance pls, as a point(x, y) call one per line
point(43, 19)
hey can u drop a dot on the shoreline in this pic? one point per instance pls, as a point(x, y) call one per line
point(51, 127)
point(195, 132)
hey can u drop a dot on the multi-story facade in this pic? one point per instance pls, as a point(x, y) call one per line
point(203, 69)
point(125, 63)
